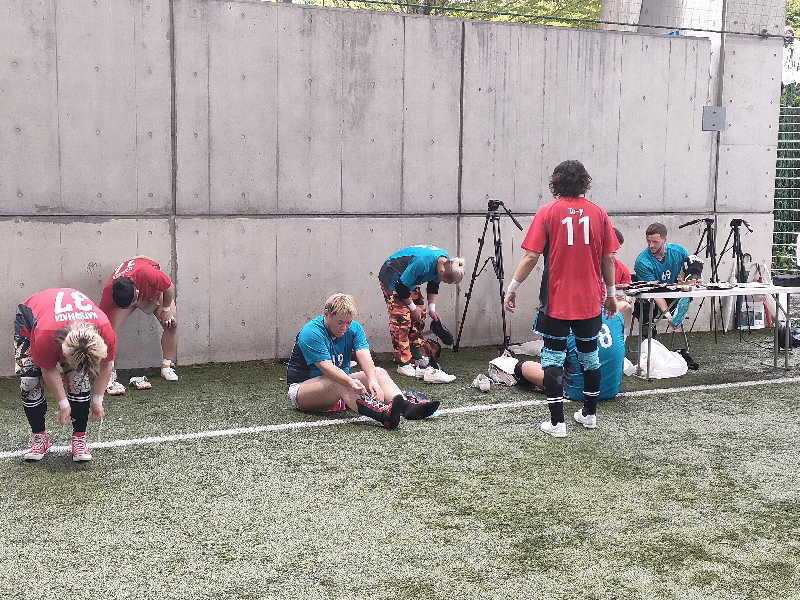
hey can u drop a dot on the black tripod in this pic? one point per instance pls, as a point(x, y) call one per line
point(709, 237)
point(493, 216)
point(740, 270)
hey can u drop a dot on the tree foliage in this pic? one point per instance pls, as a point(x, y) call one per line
point(575, 13)
point(793, 13)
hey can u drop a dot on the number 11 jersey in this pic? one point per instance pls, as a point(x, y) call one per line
point(572, 235)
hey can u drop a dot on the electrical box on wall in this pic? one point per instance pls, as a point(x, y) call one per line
point(713, 118)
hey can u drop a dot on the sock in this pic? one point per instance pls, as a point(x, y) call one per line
point(35, 416)
point(80, 416)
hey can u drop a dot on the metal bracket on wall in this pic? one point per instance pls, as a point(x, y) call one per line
point(713, 118)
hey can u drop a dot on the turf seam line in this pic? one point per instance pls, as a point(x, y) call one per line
point(64, 449)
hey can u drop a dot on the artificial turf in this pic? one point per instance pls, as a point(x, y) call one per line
point(676, 495)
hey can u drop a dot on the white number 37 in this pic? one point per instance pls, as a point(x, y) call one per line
point(82, 302)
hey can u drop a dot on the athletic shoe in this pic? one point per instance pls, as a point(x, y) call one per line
point(408, 369)
point(690, 362)
point(80, 452)
point(482, 382)
point(388, 414)
point(418, 406)
point(500, 376)
point(423, 363)
point(588, 421)
point(432, 375)
point(169, 373)
point(558, 431)
point(140, 383)
point(115, 388)
point(420, 372)
point(39, 445)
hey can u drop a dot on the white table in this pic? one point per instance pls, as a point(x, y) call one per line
point(740, 290)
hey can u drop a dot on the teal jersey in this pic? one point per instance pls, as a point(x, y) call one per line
point(411, 266)
point(314, 344)
point(649, 268)
point(611, 350)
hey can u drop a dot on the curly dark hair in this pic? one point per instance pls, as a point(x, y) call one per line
point(570, 179)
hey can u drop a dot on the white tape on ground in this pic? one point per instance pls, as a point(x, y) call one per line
point(180, 437)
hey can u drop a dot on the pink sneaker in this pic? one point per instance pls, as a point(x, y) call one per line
point(39, 445)
point(80, 452)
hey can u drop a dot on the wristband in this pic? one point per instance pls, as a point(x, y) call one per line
point(667, 315)
point(412, 306)
point(611, 290)
point(512, 287)
point(97, 400)
point(63, 403)
point(431, 307)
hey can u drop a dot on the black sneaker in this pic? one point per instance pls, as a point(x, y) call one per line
point(418, 406)
point(690, 362)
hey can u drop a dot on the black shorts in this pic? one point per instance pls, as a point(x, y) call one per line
point(555, 331)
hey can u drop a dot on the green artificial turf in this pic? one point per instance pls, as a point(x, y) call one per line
point(675, 495)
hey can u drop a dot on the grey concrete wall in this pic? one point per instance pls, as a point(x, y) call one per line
point(308, 144)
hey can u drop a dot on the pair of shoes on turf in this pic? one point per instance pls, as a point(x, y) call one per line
point(560, 429)
point(40, 444)
point(482, 382)
point(427, 374)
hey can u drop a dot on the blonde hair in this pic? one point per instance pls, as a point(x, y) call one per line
point(341, 304)
point(455, 269)
point(83, 347)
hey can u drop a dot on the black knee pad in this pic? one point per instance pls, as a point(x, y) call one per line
point(518, 371)
point(553, 381)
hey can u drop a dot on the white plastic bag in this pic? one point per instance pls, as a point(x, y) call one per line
point(663, 362)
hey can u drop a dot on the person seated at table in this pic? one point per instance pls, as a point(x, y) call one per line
point(662, 261)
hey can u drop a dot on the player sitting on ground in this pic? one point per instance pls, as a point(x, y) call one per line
point(318, 372)
point(62, 327)
point(400, 277)
point(140, 283)
point(611, 351)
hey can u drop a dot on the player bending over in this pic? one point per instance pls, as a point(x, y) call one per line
point(140, 283)
point(62, 328)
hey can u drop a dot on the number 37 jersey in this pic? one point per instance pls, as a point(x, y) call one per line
point(50, 310)
point(572, 235)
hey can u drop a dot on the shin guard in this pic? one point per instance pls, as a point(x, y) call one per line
point(388, 414)
point(553, 387)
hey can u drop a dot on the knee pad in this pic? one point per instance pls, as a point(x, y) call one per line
point(590, 361)
point(78, 385)
point(553, 381)
point(32, 392)
point(518, 372)
point(552, 358)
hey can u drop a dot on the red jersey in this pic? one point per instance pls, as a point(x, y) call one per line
point(146, 275)
point(54, 309)
point(572, 235)
point(622, 277)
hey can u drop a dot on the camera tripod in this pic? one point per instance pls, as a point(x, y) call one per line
point(493, 217)
point(709, 237)
point(735, 242)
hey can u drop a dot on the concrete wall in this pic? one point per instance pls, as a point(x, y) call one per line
point(269, 154)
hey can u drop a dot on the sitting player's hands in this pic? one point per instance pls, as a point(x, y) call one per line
point(375, 389)
point(97, 412)
point(357, 386)
point(510, 301)
point(610, 305)
point(64, 415)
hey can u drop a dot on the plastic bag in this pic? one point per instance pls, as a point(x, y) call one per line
point(663, 362)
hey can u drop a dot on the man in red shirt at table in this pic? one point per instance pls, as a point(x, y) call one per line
point(139, 283)
point(577, 241)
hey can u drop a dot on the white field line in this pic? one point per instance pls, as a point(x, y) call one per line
point(180, 437)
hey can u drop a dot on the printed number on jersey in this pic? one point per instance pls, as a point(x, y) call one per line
point(604, 337)
point(570, 229)
point(82, 302)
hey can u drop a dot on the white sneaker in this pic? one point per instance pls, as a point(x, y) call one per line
point(420, 372)
point(482, 382)
point(558, 431)
point(423, 362)
point(437, 376)
point(408, 369)
point(588, 421)
point(169, 373)
point(115, 388)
